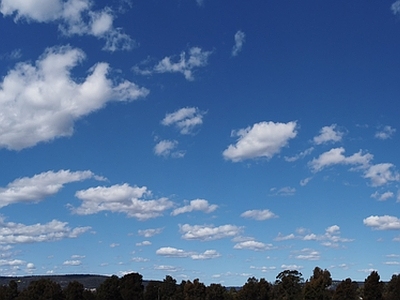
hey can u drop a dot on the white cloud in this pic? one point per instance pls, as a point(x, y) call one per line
point(396, 7)
point(30, 266)
point(122, 199)
point(184, 119)
point(41, 102)
point(208, 233)
point(195, 205)
point(74, 17)
point(285, 191)
point(166, 268)
point(150, 232)
point(253, 245)
point(291, 267)
point(34, 189)
point(208, 254)
point(259, 215)
point(11, 263)
point(382, 197)
point(335, 156)
point(281, 237)
point(240, 38)
point(264, 139)
point(114, 245)
point(17, 233)
point(305, 181)
point(139, 259)
point(73, 263)
point(185, 64)
point(380, 174)
point(165, 148)
point(144, 243)
point(386, 133)
point(174, 252)
point(307, 254)
point(382, 222)
point(328, 134)
point(300, 155)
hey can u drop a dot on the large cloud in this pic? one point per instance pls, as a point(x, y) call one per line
point(184, 119)
point(121, 199)
point(33, 189)
point(40, 102)
point(264, 139)
point(335, 156)
point(382, 222)
point(16, 233)
point(73, 17)
point(186, 63)
point(208, 233)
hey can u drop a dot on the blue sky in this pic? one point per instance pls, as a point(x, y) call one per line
point(202, 139)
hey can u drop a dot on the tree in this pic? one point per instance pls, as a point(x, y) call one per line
point(168, 288)
point(254, 290)
point(195, 290)
point(109, 289)
point(346, 290)
point(216, 292)
point(288, 285)
point(74, 291)
point(393, 288)
point(152, 291)
point(373, 287)
point(317, 287)
point(131, 286)
point(42, 289)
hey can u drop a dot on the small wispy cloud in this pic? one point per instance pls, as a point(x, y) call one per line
point(385, 133)
point(240, 38)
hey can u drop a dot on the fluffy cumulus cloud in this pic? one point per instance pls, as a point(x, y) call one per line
point(240, 38)
point(150, 232)
point(185, 64)
point(264, 139)
point(121, 199)
point(185, 119)
point(41, 102)
point(74, 17)
point(16, 233)
point(328, 134)
point(208, 233)
point(382, 197)
point(33, 189)
point(253, 245)
point(259, 215)
point(385, 222)
point(166, 148)
point(386, 133)
point(381, 174)
point(195, 205)
point(396, 7)
point(335, 156)
point(174, 252)
point(331, 238)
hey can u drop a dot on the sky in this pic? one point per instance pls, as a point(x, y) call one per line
point(206, 139)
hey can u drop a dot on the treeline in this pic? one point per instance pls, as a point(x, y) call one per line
point(289, 285)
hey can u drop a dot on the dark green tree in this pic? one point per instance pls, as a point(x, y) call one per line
point(288, 285)
point(74, 291)
point(131, 286)
point(254, 290)
point(168, 288)
point(373, 287)
point(216, 292)
point(346, 290)
point(195, 290)
point(109, 289)
point(392, 290)
point(317, 287)
point(42, 289)
point(152, 290)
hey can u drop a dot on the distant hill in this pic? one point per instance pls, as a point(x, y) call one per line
point(88, 281)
